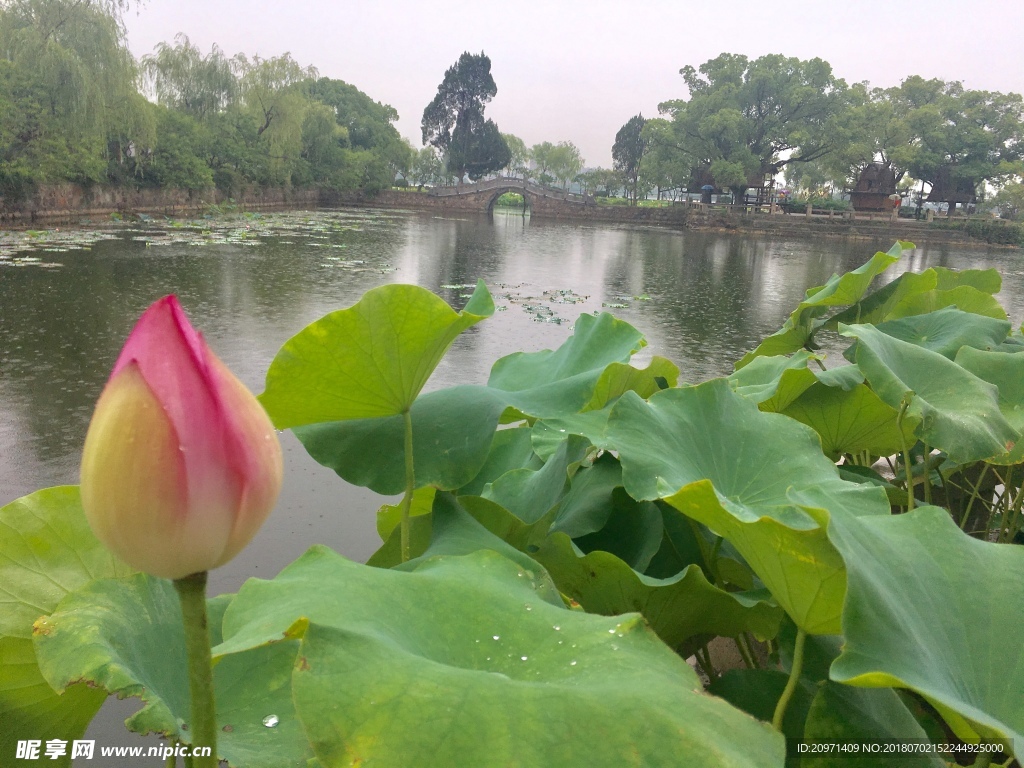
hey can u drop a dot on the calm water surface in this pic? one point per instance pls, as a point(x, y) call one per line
point(248, 285)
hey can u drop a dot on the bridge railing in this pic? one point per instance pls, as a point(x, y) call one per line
point(512, 184)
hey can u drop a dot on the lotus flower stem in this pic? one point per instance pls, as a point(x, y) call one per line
point(744, 653)
point(410, 485)
point(1012, 518)
point(192, 593)
point(927, 475)
point(746, 644)
point(794, 678)
point(908, 467)
point(974, 497)
point(703, 657)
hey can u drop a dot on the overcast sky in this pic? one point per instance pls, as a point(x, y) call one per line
point(576, 71)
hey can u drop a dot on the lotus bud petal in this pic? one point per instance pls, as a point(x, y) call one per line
point(181, 464)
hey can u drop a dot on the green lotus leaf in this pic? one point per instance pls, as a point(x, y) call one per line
point(858, 474)
point(587, 505)
point(846, 289)
point(850, 421)
point(845, 377)
point(467, 524)
point(678, 607)
point(1013, 343)
point(877, 306)
point(498, 521)
point(390, 553)
point(956, 411)
point(619, 378)
point(965, 297)
point(389, 516)
point(460, 662)
point(1006, 371)
point(31, 709)
point(548, 434)
point(985, 280)
point(125, 636)
point(564, 381)
point(453, 428)
point(947, 330)
point(369, 360)
point(47, 551)
point(750, 477)
point(684, 543)
point(774, 382)
point(510, 449)
point(900, 298)
point(757, 691)
point(793, 557)
point(840, 290)
point(452, 433)
point(633, 531)
point(934, 610)
point(859, 715)
point(529, 494)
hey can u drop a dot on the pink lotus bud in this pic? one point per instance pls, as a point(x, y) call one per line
point(181, 464)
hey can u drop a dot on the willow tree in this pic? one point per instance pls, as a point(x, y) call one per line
point(519, 162)
point(182, 78)
point(74, 65)
point(274, 92)
point(566, 162)
point(541, 155)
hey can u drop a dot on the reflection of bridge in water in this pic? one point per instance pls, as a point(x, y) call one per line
point(539, 198)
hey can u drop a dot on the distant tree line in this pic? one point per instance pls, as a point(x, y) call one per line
point(745, 121)
point(73, 108)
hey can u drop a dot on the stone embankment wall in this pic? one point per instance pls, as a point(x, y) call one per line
point(72, 201)
point(547, 207)
point(683, 217)
point(799, 226)
point(63, 202)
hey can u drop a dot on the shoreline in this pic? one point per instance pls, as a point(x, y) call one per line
point(70, 204)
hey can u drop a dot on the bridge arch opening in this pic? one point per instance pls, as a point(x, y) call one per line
point(511, 200)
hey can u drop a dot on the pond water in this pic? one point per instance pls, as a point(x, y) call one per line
point(68, 299)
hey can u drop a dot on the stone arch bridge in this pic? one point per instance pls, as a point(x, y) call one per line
point(481, 197)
